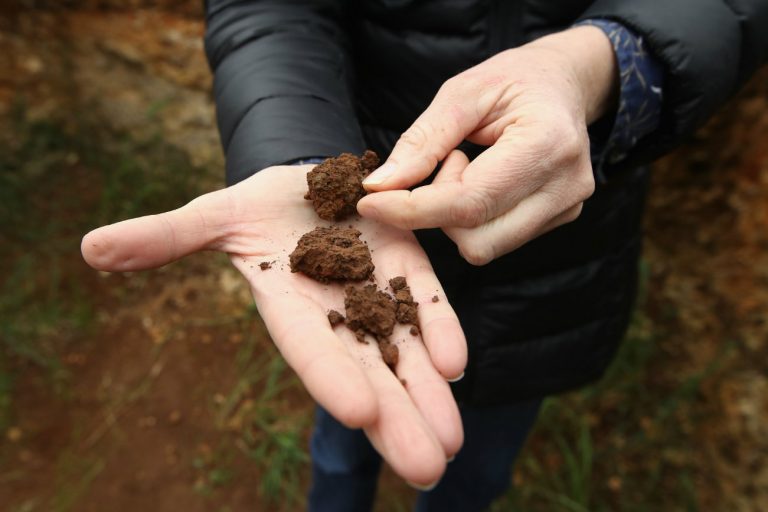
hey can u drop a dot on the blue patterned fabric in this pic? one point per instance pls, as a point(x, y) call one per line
point(640, 97)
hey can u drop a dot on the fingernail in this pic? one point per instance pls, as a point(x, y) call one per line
point(380, 175)
point(423, 488)
point(451, 458)
point(456, 379)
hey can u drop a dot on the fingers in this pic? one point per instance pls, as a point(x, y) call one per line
point(300, 330)
point(463, 194)
point(430, 392)
point(531, 218)
point(418, 426)
point(440, 327)
point(402, 436)
point(452, 167)
point(154, 240)
point(450, 117)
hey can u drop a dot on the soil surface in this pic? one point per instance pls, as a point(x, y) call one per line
point(332, 254)
point(336, 185)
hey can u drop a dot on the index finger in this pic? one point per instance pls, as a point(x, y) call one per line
point(486, 187)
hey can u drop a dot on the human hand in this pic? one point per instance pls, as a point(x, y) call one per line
point(416, 427)
point(531, 105)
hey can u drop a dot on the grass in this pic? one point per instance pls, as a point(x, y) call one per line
point(269, 431)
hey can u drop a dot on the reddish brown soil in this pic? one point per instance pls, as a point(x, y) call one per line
point(265, 265)
point(371, 310)
point(389, 352)
point(332, 254)
point(336, 185)
point(407, 308)
point(335, 318)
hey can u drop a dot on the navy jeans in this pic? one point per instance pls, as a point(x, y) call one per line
point(345, 467)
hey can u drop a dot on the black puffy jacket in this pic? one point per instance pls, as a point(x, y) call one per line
point(297, 79)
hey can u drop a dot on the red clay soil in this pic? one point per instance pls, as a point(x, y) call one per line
point(407, 308)
point(332, 254)
point(336, 185)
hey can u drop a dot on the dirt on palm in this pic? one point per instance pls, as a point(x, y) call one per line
point(332, 254)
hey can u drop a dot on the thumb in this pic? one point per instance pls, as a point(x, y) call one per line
point(448, 120)
point(154, 240)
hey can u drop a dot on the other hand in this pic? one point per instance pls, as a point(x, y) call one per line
point(531, 105)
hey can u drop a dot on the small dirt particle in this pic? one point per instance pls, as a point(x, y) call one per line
point(414, 330)
point(435, 298)
point(389, 352)
point(335, 318)
point(265, 265)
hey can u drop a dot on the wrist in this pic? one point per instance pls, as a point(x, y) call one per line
point(591, 60)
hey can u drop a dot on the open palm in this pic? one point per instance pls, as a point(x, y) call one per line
point(415, 426)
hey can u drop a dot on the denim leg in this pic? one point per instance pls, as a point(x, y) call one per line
point(345, 467)
point(482, 470)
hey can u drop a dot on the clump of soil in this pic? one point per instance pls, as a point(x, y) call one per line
point(370, 310)
point(336, 185)
point(407, 312)
point(265, 265)
point(327, 254)
point(435, 298)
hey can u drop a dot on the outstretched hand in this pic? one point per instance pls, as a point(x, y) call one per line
point(415, 427)
point(531, 105)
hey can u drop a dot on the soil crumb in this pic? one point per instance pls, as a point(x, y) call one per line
point(435, 298)
point(371, 310)
point(389, 353)
point(414, 330)
point(336, 184)
point(265, 265)
point(335, 318)
point(327, 254)
point(407, 312)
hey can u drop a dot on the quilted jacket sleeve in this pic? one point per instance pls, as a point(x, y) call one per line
point(709, 49)
point(281, 83)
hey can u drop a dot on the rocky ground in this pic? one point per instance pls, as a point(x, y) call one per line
point(160, 391)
